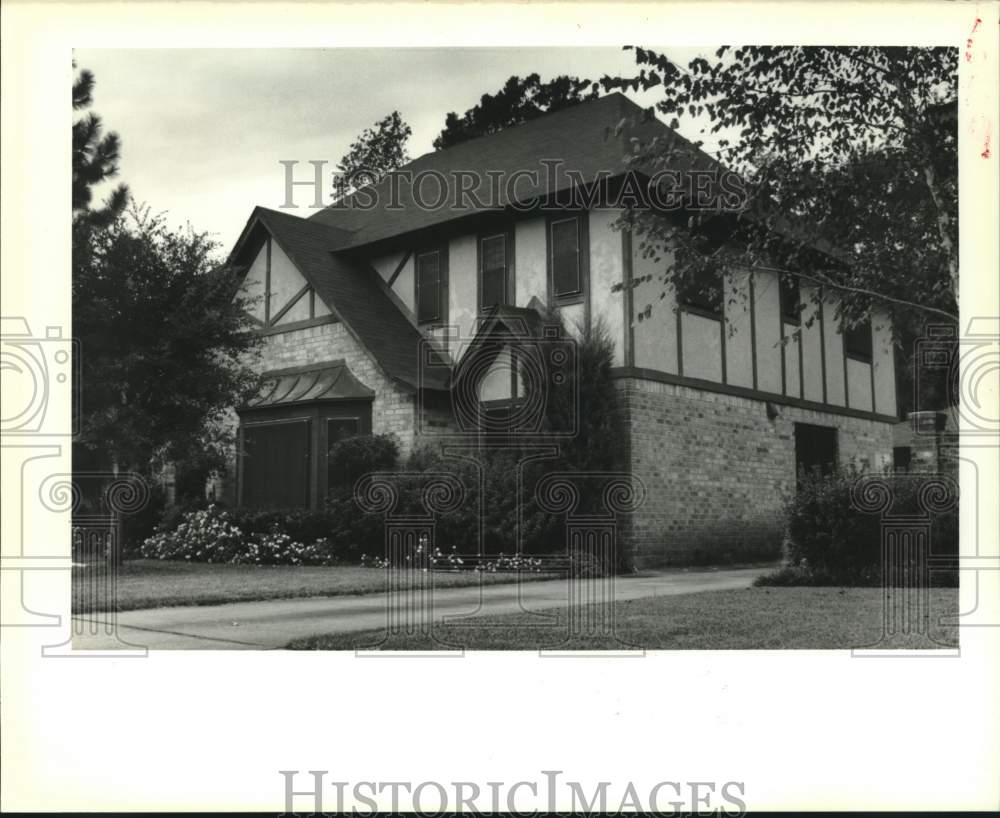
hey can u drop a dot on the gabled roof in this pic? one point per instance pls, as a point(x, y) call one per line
point(502, 326)
point(581, 138)
point(355, 293)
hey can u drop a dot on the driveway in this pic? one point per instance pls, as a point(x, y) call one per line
point(273, 624)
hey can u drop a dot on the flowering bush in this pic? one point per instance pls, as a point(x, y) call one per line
point(423, 557)
point(210, 535)
point(516, 562)
point(206, 535)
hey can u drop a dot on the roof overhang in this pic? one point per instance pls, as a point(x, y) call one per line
point(329, 381)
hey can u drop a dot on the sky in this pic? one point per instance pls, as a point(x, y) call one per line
point(203, 130)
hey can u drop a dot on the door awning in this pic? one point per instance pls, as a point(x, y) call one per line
point(327, 381)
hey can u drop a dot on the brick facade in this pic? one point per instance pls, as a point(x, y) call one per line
point(718, 470)
point(393, 408)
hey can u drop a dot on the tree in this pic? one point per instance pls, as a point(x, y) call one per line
point(95, 158)
point(166, 347)
point(518, 101)
point(849, 156)
point(849, 150)
point(375, 152)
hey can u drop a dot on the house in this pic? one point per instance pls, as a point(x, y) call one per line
point(370, 307)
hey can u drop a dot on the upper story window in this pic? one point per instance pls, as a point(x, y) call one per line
point(703, 297)
point(494, 270)
point(858, 341)
point(432, 284)
point(791, 303)
point(568, 251)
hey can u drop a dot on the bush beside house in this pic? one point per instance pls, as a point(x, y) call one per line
point(835, 531)
point(490, 505)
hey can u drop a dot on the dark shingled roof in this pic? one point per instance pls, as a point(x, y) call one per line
point(355, 293)
point(582, 138)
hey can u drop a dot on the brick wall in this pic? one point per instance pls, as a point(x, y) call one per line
point(393, 409)
point(717, 470)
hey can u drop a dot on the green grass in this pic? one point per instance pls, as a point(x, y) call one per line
point(751, 619)
point(160, 584)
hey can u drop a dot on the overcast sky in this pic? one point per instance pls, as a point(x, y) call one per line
point(203, 130)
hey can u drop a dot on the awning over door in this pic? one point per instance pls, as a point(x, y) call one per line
point(331, 380)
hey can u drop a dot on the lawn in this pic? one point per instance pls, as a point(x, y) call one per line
point(160, 584)
point(750, 619)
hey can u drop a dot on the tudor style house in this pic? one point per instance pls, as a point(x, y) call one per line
point(369, 307)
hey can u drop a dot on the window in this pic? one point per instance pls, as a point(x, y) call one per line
point(815, 449)
point(276, 464)
point(858, 341)
point(432, 281)
point(790, 299)
point(566, 259)
point(493, 270)
point(703, 297)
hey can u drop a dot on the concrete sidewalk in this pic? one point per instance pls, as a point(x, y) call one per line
point(273, 624)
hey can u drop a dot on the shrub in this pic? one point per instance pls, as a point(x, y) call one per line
point(501, 522)
point(213, 535)
point(207, 535)
point(831, 541)
point(143, 523)
point(359, 455)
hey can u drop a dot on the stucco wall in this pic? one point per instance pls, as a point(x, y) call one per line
point(790, 360)
point(606, 271)
point(529, 262)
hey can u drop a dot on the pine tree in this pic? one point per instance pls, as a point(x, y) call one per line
point(95, 159)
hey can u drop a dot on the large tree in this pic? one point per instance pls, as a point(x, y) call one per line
point(375, 152)
point(95, 158)
point(519, 100)
point(849, 159)
point(165, 345)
